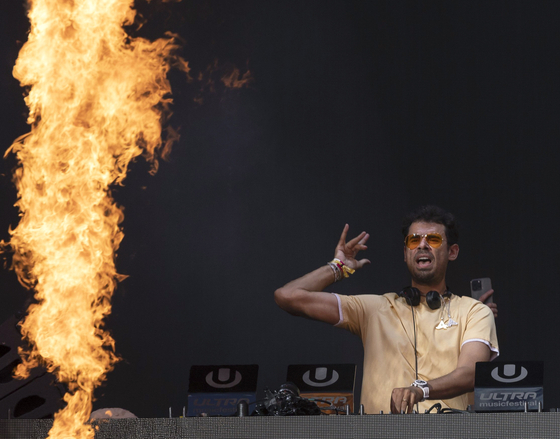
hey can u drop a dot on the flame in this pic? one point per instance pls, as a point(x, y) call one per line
point(235, 80)
point(96, 98)
point(228, 74)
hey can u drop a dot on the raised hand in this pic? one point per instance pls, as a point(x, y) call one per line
point(347, 251)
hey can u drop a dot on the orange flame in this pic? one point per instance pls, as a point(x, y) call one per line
point(235, 80)
point(96, 100)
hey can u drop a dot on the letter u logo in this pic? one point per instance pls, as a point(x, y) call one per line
point(223, 378)
point(509, 371)
point(322, 377)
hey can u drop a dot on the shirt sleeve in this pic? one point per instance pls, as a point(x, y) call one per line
point(482, 328)
point(357, 310)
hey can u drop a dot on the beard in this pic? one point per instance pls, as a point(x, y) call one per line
point(424, 277)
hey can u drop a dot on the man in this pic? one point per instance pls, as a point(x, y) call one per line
point(412, 354)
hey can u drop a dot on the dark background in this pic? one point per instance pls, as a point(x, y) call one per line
point(359, 112)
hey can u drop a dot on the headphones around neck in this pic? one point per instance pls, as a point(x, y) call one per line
point(433, 298)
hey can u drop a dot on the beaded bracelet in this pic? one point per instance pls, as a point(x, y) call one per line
point(336, 271)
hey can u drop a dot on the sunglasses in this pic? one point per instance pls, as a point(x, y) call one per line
point(434, 240)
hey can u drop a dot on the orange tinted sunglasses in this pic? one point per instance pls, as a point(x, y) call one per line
point(434, 240)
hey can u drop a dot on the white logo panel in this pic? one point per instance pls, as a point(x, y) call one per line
point(509, 370)
point(225, 380)
point(320, 374)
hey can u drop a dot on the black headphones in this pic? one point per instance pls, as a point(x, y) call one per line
point(412, 296)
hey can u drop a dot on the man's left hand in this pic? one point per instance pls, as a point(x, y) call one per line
point(403, 399)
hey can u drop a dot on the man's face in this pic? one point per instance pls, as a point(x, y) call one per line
point(428, 265)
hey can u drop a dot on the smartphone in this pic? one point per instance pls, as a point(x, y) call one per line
point(481, 286)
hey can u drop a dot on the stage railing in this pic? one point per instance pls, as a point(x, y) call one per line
point(446, 426)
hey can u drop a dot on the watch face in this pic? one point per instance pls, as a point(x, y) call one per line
point(420, 383)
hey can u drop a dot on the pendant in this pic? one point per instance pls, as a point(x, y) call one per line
point(451, 323)
point(442, 325)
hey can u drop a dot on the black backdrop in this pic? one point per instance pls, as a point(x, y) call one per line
point(359, 112)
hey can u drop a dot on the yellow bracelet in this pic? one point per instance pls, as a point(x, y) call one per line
point(345, 270)
point(348, 271)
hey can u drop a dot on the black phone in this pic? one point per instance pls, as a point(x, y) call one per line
point(481, 286)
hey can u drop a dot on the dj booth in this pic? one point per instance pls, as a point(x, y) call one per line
point(286, 413)
point(445, 426)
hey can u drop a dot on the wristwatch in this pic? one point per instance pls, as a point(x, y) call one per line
point(424, 386)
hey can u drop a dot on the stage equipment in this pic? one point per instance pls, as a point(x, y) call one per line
point(38, 396)
point(217, 390)
point(285, 402)
point(508, 386)
point(449, 426)
point(327, 384)
point(112, 413)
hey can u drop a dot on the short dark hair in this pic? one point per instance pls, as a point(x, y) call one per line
point(433, 214)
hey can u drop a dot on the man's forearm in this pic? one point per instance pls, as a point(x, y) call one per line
point(317, 280)
point(304, 296)
point(461, 380)
point(456, 383)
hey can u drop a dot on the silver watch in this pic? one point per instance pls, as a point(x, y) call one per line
point(424, 386)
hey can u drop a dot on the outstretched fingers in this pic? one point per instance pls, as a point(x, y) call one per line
point(342, 240)
point(360, 240)
point(347, 251)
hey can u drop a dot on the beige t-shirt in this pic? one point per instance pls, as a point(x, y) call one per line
point(385, 326)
